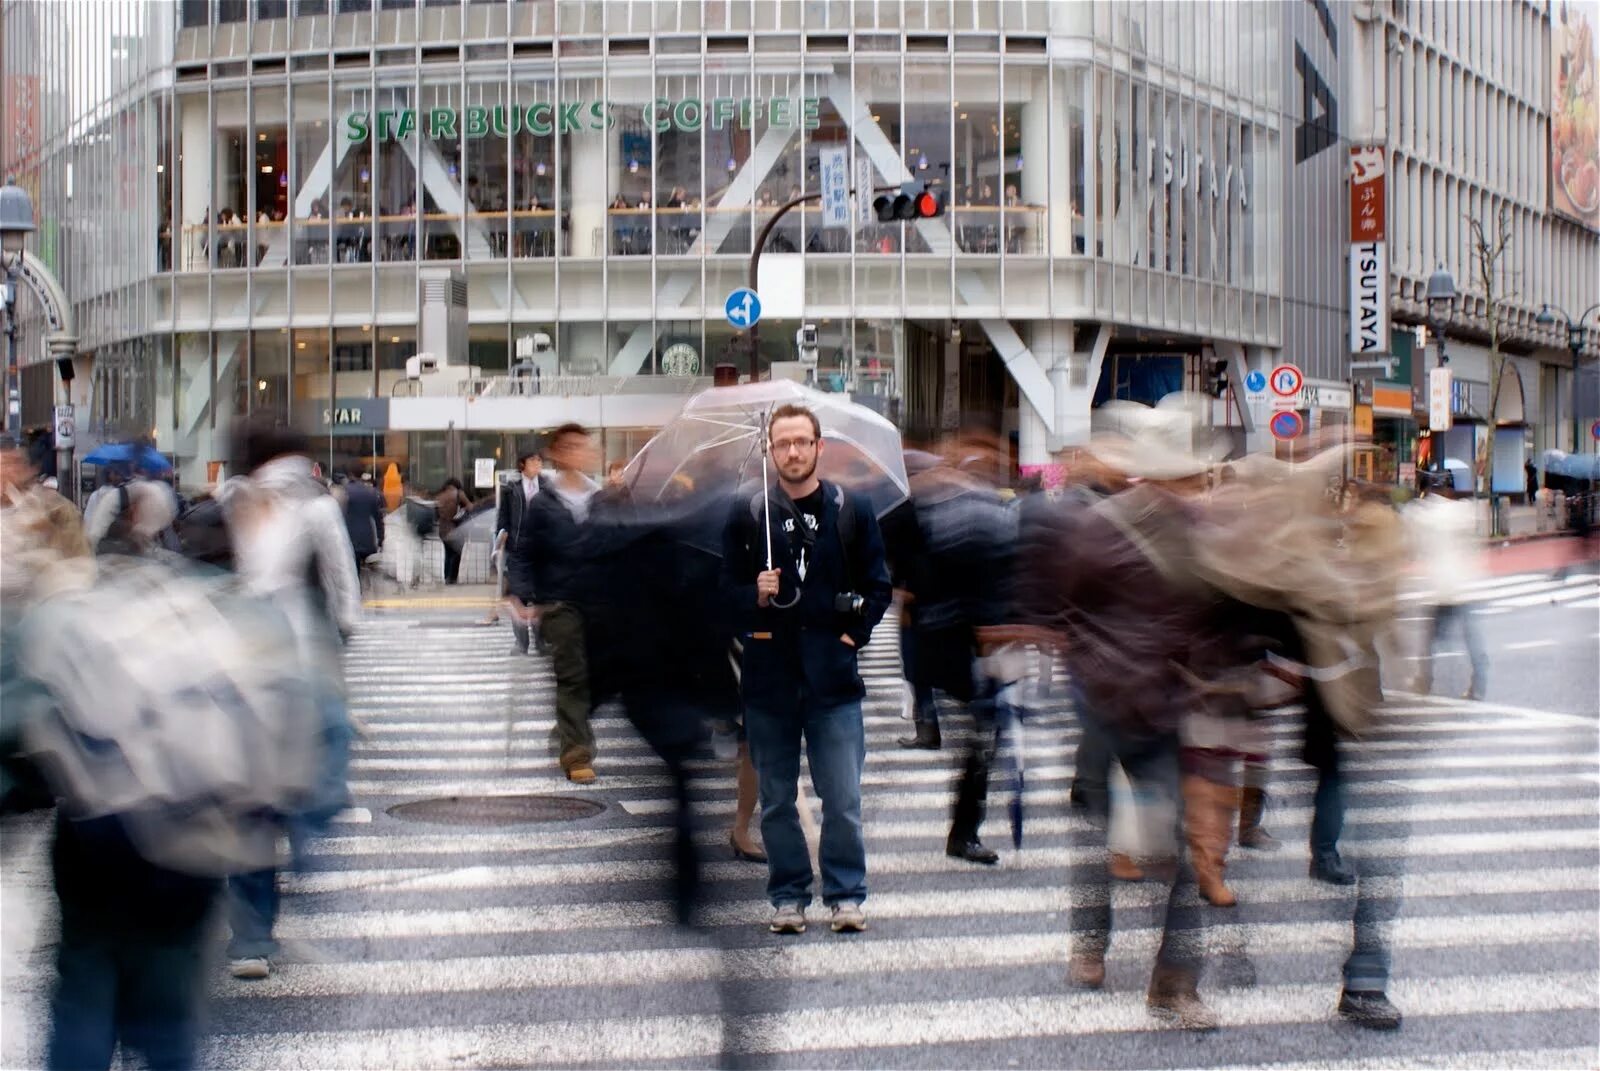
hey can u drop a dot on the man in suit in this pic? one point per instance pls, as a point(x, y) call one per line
point(516, 562)
point(363, 515)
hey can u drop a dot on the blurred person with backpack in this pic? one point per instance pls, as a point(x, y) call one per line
point(194, 700)
point(291, 548)
point(453, 505)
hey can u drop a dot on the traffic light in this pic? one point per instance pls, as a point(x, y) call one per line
point(916, 200)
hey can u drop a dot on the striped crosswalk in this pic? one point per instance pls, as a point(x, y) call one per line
point(1503, 594)
point(417, 945)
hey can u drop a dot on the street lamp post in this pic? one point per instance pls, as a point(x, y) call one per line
point(1441, 294)
point(1575, 339)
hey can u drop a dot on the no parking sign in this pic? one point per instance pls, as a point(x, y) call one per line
point(1287, 424)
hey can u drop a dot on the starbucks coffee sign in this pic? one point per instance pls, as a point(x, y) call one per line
point(576, 117)
point(680, 359)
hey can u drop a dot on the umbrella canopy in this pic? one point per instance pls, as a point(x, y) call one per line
point(713, 450)
point(137, 456)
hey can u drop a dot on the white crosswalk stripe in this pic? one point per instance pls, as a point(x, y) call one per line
point(1503, 594)
point(416, 945)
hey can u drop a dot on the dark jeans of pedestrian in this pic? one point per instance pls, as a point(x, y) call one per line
point(252, 914)
point(121, 980)
point(1443, 615)
point(1151, 766)
point(1091, 765)
point(1322, 753)
point(452, 562)
point(972, 791)
point(836, 748)
point(561, 625)
point(924, 710)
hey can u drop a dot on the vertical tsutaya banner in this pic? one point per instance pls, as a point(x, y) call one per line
point(1574, 113)
point(1369, 254)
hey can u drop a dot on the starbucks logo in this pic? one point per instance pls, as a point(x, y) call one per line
point(680, 359)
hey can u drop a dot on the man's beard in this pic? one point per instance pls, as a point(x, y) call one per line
point(803, 477)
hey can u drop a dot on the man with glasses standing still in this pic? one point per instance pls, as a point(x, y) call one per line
point(803, 616)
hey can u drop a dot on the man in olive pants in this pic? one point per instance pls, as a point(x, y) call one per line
point(556, 532)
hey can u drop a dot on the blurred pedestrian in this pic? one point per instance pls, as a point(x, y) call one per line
point(292, 548)
point(805, 580)
point(1116, 580)
point(1442, 533)
point(556, 544)
point(511, 536)
point(363, 516)
point(957, 575)
point(452, 504)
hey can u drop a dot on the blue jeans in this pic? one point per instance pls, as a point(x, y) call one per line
point(123, 981)
point(252, 912)
point(836, 746)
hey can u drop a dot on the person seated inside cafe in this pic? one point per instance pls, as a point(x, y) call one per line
point(619, 201)
point(676, 198)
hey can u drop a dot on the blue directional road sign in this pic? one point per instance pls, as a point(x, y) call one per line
point(1256, 381)
point(743, 307)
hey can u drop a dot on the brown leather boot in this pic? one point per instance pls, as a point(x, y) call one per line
point(1173, 999)
point(1087, 970)
point(1207, 822)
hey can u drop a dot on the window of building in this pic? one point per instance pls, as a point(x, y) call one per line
point(396, 177)
point(312, 194)
point(350, 214)
point(928, 135)
point(269, 372)
point(535, 222)
point(585, 185)
point(678, 128)
point(877, 88)
point(489, 120)
point(194, 185)
point(975, 151)
point(269, 204)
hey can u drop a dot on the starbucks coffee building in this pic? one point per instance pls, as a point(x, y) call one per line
point(277, 204)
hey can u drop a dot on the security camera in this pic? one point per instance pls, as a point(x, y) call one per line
point(542, 344)
point(805, 341)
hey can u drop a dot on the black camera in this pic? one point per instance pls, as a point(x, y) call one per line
point(848, 602)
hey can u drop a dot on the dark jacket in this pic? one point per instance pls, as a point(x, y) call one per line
point(450, 502)
point(511, 519)
point(363, 517)
point(793, 654)
point(559, 548)
point(957, 563)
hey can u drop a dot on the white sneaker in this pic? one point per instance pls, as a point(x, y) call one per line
point(848, 917)
point(788, 918)
point(250, 968)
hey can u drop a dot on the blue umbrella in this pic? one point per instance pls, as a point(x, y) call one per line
point(135, 455)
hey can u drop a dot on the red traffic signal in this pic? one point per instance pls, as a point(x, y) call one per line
point(912, 204)
point(929, 204)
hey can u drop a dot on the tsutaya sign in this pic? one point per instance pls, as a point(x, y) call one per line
point(544, 118)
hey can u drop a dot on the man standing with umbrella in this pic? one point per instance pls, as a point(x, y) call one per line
point(805, 579)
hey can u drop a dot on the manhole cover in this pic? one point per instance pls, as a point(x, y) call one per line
point(496, 810)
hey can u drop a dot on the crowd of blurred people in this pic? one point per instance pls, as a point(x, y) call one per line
point(1183, 602)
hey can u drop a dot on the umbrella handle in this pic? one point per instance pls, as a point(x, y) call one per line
point(766, 493)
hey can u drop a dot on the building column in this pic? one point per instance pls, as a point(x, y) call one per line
point(1045, 133)
point(194, 181)
point(594, 155)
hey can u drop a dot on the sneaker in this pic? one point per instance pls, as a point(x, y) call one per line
point(1373, 1011)
point(250, 968)
point(848, 917)
point(788, 918)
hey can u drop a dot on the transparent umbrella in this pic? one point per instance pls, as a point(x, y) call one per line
point(714, 450)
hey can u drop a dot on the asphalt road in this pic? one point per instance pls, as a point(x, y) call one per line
point(416, 945)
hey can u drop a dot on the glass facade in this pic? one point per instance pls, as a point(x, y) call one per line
point(248, 194)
